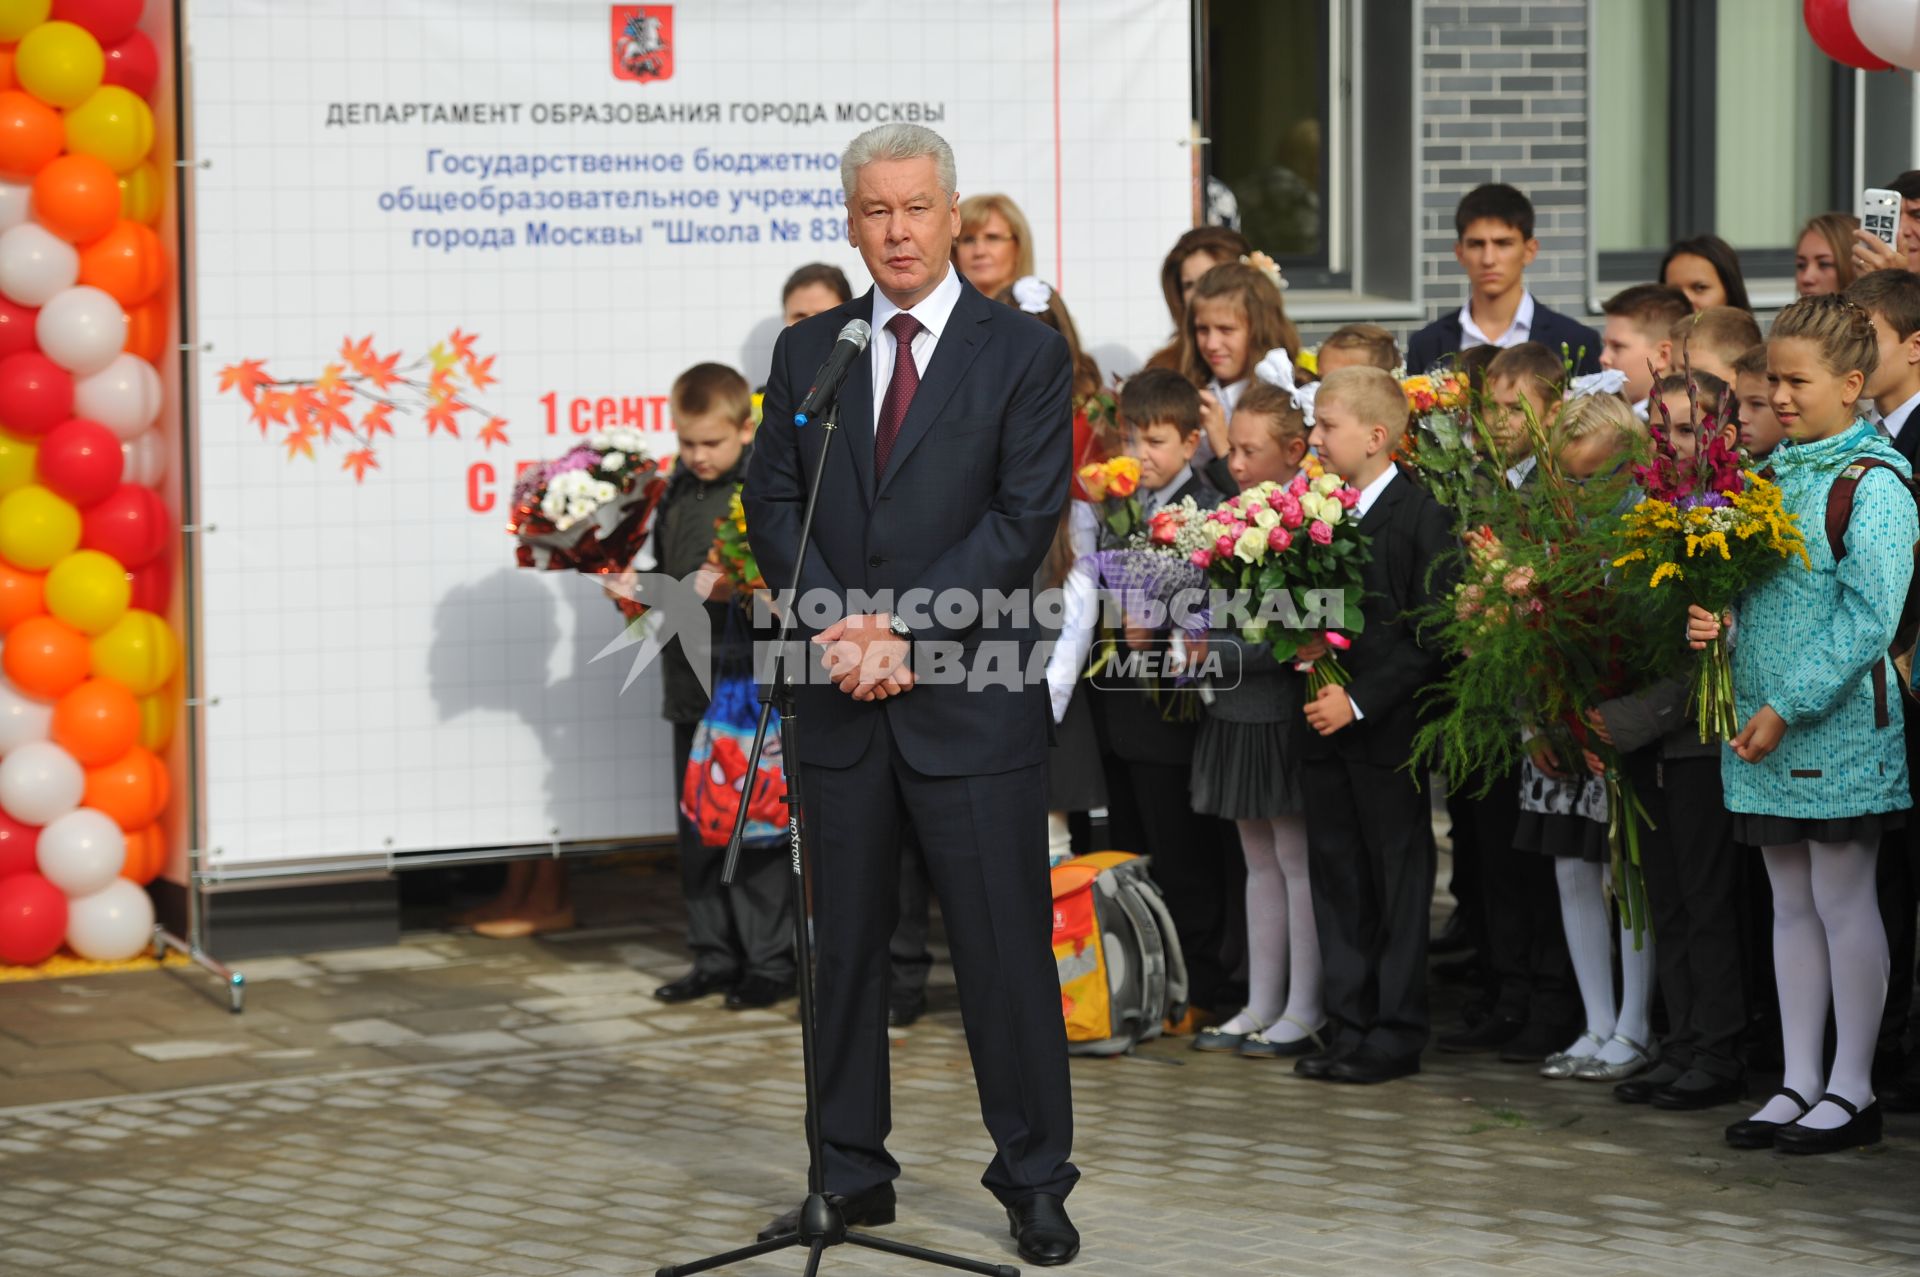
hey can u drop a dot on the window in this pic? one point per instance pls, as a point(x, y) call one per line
point(1713, 116)
point(1284, 91)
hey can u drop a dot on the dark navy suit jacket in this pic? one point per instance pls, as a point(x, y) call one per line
point(1550, 328)
point(969, 503)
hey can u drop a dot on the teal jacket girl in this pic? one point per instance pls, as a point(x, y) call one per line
point(1805, 642)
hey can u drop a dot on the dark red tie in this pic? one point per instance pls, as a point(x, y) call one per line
point(899, 397)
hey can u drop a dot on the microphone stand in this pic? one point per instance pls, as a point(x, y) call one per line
point(821, 1224)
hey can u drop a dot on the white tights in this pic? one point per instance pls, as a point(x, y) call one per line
point(1583, 909)
point(1829, 947)
point(1283, 945)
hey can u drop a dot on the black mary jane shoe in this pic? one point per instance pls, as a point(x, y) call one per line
point(1042, 1231)
point(1752, 1133)
point(697, 984)
point(1862, 1129)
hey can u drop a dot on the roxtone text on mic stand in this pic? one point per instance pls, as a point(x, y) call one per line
point(821, 1225)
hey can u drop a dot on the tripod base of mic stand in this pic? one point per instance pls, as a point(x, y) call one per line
point(821, 1227)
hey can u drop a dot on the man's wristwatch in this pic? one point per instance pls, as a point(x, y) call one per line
point(899, 627)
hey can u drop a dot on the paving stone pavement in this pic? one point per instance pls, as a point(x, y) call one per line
point(454, 1106)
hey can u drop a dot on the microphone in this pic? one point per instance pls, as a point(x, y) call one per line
point(826, 383)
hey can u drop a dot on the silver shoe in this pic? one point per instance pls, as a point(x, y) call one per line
point(1597, 1070)
point(1564, 1064)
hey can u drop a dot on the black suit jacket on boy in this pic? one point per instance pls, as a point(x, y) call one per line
point(1550, 328)
point(1413, 562)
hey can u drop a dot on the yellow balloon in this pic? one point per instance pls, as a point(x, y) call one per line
point(89, 591)
point(59, 63)
point(17, 459)
point(37, 528)
point(141, 195)
point(139, 652)
point(113, 125)
point(157, 715)
point(17, 17)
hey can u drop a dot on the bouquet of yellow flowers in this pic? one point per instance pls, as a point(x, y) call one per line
point(731, 552)
point(1714, 529)
point(1111, 485)
point(1441, 446)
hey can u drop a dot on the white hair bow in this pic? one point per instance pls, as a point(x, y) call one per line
point(1610, 381)
point(1032, 294)
point(1277, 370)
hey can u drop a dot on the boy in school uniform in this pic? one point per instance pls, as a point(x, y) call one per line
point(1494, 244)
point(1369, 836)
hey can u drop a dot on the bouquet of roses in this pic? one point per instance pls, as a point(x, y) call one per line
point(1715, 529)
point(590, 510)
point(1155, 576)
point(1112, 485)
point(1285, 545)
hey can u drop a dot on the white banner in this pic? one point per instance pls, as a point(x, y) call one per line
point(436, 240)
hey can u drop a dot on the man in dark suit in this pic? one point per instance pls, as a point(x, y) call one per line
point(1370, 847)
point(948, 484)
point(1494, 244)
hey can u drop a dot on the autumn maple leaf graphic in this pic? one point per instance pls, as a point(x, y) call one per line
point(360, 394)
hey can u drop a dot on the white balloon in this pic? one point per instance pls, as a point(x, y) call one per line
point(36, 264)
point(125, 396)
point(113, 924)
point(22, 718)
point(145, 457)
point(82, 329)
point(40, 782)
point(81, 852)
point(1889, 28)
point(16, 202)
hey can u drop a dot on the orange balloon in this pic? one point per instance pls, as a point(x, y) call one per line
point(146, 855)
point(132, 789)
point(127, 263)
point(77, 197)
point(7, 80)
point(22, 595)
point(97, 722)
point(45, 657)
point(147, 326)
point(31, 134)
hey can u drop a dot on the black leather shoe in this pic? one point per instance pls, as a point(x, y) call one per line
point(1862, 1129)
point(1639, 1090)
point(1319, 1065)
point(697, 984)
point(1490, 1034)
point(1696, 1089)
point(757, 991)
point(1369, 1068)
point(1042, 1231)
point(904, 1011)
point(1536, 1042)
point(1757, 1134)
point(862, 1210)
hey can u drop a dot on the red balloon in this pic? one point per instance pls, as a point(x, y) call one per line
point(16, 327)
point(108, 21)
point(18, 846)
point(134, 65)
point(81, 460)
point(33, 919)
point(36, 394)
point(1832, 29)
point(153, 586)
point(130, 523)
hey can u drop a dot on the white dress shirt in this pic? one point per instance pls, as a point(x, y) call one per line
point(1517, 472)
point(1152, 501)
point(1896, 420)
point(1079, 610)
point(933, 311)
point(1518, 331)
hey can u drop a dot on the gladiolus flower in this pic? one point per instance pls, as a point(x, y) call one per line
point(1320, 532)
point(1518, 582)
